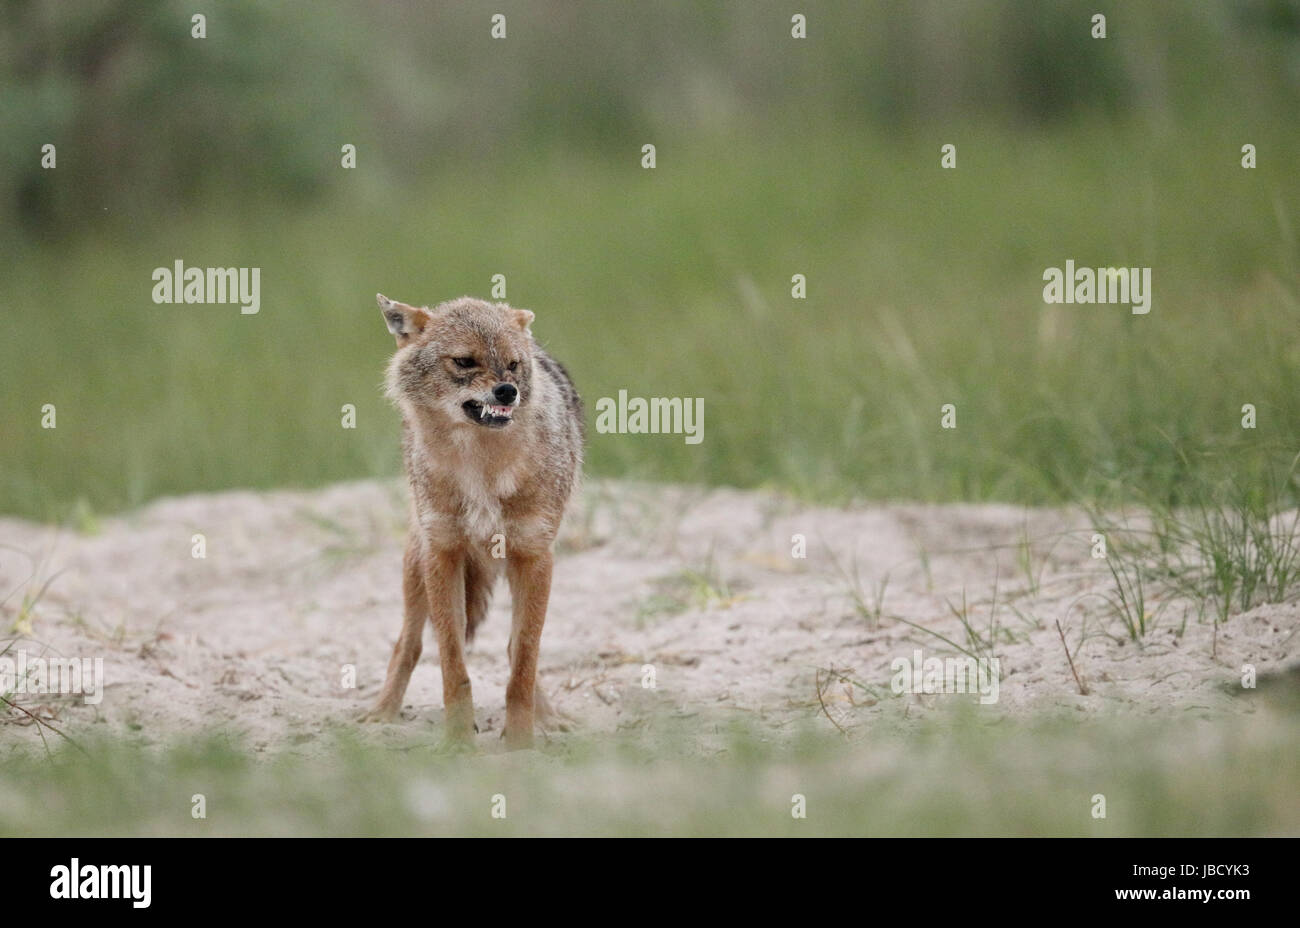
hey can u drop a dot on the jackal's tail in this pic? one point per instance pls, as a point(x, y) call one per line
point(478, 593)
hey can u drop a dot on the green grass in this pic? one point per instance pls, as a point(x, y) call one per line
point(1228, 542)
point(948, 776)
point(924, 288)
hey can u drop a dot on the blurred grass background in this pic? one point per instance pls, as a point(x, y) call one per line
point(950, 776)
point(775, 157)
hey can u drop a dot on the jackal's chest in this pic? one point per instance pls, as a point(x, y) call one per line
point(480, 512)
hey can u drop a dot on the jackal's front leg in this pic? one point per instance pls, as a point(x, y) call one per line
point(530, 588)
point(445, 582)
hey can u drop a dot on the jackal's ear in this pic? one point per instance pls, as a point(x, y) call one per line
point(402, 320)
point(523, 318)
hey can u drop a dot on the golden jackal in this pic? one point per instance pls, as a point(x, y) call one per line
point(492, 434)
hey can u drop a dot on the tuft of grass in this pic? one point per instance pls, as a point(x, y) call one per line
point(978, 645)
point(33, 590)
point(1234, 544)
point(1247, 547)
point(869, 603)
point(1128, 598)
point(690, 588)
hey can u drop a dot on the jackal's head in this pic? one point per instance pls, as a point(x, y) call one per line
point(466, 358)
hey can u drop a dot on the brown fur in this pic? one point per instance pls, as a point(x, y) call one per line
point(475, 486)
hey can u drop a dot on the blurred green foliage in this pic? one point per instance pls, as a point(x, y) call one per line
point(775, 156)
point(953, 774)
point(149, 119)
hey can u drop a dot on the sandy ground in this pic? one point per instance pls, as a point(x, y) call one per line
point(700, 585)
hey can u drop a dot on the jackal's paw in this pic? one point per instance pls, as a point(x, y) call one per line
point(517, 739)
point(459, 740)
point(454, 744)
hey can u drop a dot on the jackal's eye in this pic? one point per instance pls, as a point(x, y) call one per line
point(464, 362)
point(514, 365)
